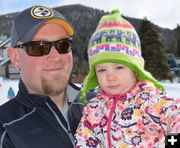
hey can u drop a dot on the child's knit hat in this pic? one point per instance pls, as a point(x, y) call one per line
point(115, 41)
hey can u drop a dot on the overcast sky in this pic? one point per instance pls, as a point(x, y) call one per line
point(164, 13)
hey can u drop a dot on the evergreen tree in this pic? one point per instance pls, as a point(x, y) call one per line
point(178, 46)
point(152, 51)
point(177, 43)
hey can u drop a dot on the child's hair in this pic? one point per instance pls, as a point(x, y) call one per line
point(115, 41)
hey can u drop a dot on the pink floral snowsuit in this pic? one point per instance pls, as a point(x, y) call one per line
point(137, 119)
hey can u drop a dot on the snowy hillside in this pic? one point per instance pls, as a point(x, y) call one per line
point(173, 89)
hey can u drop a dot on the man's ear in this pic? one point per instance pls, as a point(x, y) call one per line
point(14, 57)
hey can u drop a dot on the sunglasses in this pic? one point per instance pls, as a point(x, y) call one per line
point(41, 48)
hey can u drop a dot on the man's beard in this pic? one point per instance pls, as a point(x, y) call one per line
point(54, 85)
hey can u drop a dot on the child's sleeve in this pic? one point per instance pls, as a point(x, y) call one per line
point(85, 136)
point(169, 113)
point(164, 111)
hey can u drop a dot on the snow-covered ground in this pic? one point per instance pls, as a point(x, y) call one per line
point(4, 87)
point(173, 89)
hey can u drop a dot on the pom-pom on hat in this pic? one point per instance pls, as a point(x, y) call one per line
point(115, 41)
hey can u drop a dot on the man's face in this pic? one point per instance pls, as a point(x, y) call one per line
point(46, 74)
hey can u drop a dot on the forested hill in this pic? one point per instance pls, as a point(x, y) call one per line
point(85, 19)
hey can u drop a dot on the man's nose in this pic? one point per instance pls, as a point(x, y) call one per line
point(53, 54)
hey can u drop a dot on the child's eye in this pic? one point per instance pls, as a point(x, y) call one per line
point(119, 67)
point(101, 70)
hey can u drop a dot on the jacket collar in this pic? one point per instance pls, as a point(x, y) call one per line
point(139, 86)
point(36, 100)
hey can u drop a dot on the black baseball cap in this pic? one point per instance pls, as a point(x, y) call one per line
point(28, 22)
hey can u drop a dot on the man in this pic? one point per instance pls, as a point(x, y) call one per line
point(45, 113)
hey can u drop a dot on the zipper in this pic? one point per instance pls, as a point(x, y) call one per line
point(60, 123)
point(109, 123)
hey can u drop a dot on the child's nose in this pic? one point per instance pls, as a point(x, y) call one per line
point(111, 76)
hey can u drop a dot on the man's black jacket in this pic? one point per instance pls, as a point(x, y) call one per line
point(34, 121)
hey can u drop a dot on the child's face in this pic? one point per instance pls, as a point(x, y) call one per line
point(115, 78)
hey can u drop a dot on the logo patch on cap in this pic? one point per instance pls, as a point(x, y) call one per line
point(41, 12)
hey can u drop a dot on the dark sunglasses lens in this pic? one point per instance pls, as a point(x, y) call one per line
point(38, 49)
point(63, 46)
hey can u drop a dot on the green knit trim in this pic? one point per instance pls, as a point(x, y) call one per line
point(83, 92)
point(113, 57)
